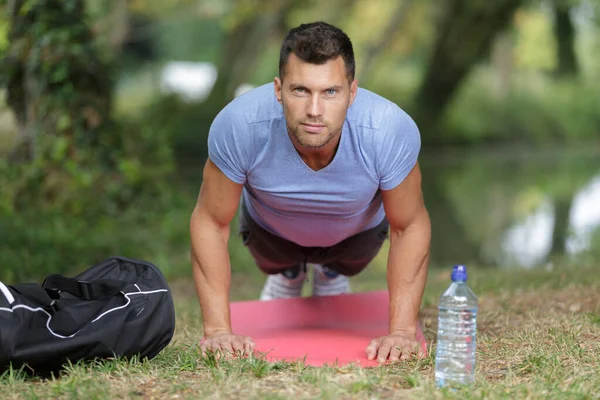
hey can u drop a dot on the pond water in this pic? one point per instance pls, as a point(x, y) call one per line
point(512, 207)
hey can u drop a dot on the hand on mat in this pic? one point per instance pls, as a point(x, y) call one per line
point(395, 346)
point(227, 344)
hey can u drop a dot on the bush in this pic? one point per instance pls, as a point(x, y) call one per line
point(59, 217)
point(34, 244)
point(185, 126)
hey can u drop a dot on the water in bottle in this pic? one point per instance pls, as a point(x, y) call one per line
point(457, 328)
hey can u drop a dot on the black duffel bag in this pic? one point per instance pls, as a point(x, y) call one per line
point(121, 307)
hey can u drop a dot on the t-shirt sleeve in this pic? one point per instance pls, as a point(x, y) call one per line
point(398, 147)
point(228, 146)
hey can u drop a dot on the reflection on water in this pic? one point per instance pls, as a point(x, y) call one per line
point(584, 217)
point(530, 242)
point(507, 208)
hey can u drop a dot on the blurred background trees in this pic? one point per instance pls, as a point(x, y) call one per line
point(105, 108)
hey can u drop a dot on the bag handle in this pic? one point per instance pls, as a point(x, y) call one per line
point(44, 297)
point(93, 290)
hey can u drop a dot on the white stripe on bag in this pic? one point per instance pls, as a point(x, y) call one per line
point(38, 309)
point(7, 293)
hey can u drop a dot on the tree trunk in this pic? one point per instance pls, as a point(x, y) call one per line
point(242, 49)
point(564, 33)
point(562, 210)
point(238, 59)
point(120, 27)
point(449, 242)
point(22, 148)
point(464, 35)
point(375, 50)
point(502, 60)
point(57, 85)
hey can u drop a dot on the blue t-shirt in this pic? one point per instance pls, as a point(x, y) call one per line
point(379, 146)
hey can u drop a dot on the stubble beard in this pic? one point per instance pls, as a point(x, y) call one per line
point(301, 137)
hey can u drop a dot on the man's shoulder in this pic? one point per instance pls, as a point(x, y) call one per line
point(371, 110)
point(256, 105)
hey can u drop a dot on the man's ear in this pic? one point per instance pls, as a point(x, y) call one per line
point(278, 84)
point(353, 90)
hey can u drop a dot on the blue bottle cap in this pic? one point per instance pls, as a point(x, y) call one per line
point(459, 273)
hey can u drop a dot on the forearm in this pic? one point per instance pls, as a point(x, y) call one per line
point(212, 272)
point(407, 272)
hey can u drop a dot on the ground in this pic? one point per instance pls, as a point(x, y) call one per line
point(538, 337)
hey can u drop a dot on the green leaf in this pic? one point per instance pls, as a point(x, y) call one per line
point(60, 73)
point(59, 149)
point(131, 169)
point(64, 122)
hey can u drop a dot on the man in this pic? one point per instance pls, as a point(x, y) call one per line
point(325, 172)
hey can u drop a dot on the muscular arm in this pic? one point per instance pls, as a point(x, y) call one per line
point(209, 230)
point(410, 235)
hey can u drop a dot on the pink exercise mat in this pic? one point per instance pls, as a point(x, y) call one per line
point(319, 330)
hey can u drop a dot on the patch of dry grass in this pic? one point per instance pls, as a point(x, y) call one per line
point(538, 337)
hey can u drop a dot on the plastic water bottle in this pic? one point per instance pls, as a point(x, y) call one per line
point(457, 328)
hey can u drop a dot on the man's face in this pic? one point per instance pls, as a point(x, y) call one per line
point(315, 100)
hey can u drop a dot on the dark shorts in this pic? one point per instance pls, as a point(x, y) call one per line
point(274, 254)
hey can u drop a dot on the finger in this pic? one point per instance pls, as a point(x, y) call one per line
point(406, 353)
point(247, 351)
point(202, 344)
point(372, 349)
point(409, 350)
point(395, 353)
point(422, 350)
point(226, 347)
point(384, 352)
point(207, 346)
point(237, 345)
point(249, 345)
point(213, 348)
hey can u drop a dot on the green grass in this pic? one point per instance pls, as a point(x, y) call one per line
point(538, 337)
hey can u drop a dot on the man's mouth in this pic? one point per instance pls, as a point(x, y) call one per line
point(314, 128)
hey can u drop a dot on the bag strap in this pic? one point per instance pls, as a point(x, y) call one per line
point(48, 300)
point(84, 290)
point(44, 297)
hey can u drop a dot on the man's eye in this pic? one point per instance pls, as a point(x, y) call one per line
point(299, 90)
point(331, 92)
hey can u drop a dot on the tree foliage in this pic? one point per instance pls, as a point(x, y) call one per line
point(60, 89)
point(464, 34)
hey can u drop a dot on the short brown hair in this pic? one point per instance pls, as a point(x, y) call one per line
point(317, 43)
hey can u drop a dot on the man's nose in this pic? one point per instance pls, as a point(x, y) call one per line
point(315, 106)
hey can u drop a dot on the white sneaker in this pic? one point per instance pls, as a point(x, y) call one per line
point(329, 283)
point(285, 285)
